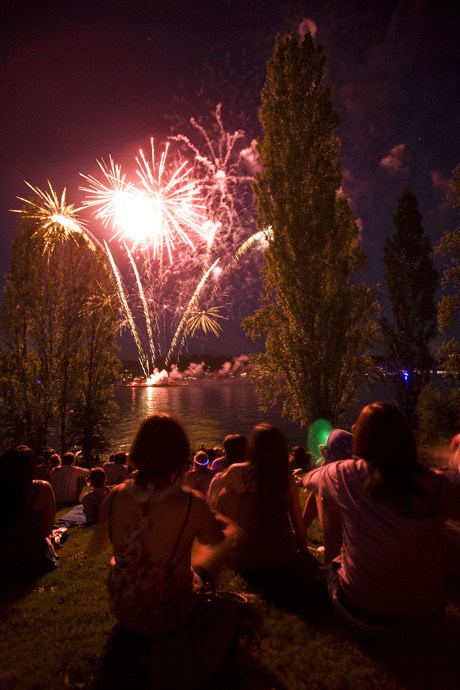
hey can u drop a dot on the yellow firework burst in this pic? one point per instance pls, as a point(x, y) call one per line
point(56, 219)
point(206, 320)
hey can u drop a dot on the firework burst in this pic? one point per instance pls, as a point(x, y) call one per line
point(56, 220)
point(163, 207)
point(205, 320)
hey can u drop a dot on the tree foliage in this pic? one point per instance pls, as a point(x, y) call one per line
point(411, 280)
point(449, 306)
point(315, 319)
point(57, 340)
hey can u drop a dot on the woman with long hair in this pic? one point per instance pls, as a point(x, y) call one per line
point(152, 523)
point(261, 496)
point(27, 514)
point(390, 510)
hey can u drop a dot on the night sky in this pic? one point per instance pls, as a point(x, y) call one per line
point(84, 80)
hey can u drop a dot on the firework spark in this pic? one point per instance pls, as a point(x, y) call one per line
point(220, 161)
point(165, 204)
point(205, 320)
point(56, 219)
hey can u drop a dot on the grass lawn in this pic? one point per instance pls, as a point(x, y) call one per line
point(53, 635)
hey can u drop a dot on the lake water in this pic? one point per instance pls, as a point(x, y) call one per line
point(209, 409)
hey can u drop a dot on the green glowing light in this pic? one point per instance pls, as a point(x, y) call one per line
point(317, 437)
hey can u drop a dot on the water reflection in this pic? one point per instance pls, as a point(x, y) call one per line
point(208, 409)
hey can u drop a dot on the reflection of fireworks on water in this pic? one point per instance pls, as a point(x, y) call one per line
point(167, 204)
point(55, 218)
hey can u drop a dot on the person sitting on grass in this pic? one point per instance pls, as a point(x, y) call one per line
point(116, 468)
point(92, 501)
point(383, 511)
point(201, 474)
point(27, 515)
point(235, 446)
point(261, 496)
point(300, 460)
point(68, 480)
point(339, 446)
point(152, 524)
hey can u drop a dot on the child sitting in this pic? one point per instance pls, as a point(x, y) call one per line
point(93, 499)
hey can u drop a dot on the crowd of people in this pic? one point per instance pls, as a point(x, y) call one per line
point(381, 511)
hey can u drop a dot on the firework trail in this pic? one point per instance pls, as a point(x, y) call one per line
point(191, 305)
point(129, 316)
point(144, 303)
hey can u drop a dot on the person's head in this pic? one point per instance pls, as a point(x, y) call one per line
point(120, 458)
point(47, 453)
point(160, 451)
point(299, 459)
point(17, 468)
point(200, 461)
point(339, 446)
point(384, 438)
point(235, 447)
point(211, 453)
point(68, 458)
point(54, 460)
point(97, 477)
point(268, 451)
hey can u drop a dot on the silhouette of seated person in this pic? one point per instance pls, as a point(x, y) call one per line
point(261, 496)
point(201, 474)
point(152, 523)
point(68, 480)
point(235, 446)
point(27, 515)
point(116, 469)
point(386, 573)
point(339, 446)
point(92, 500)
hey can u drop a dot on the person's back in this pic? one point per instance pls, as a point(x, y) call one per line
point(235, 446)
point(116, 469)
point(391, 561)
point(268, 540)
point(92, 500)
point(68, 480)
point(261, 497)
point(390, 515)
point(201, 475)
point(234, 451)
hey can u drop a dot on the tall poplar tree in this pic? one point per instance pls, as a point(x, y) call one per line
point(449, 306)
point(315, 319)
point(411, 280)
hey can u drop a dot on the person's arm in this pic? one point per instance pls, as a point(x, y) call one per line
point(323, 483)
point(45, 504)
point(310, 511)
point(296, 515)
point(219, 533)
point(82, 471)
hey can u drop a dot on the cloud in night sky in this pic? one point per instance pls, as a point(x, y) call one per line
point(307, 25)
point(395, 161)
